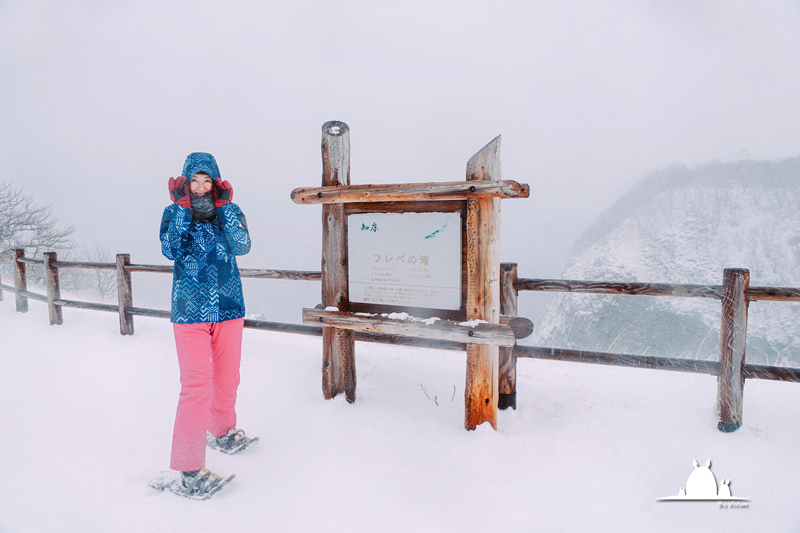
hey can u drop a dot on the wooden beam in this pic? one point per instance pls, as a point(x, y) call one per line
point(84, 264)
point(149, 268)
point(20, 280)
point(53, 288)
point(614, 287)
point(775, 373)
point(615, 359)
point(34, 296)
point(507, 379)
point(733, 339)
point(773, 294)
point(152, 313)
point(433, 206)
point(445, 330)
point(338, 346)
point(483, 288)
point(521, 326)
point(29, 260)
point(454, 190)
point(262, 273)
point(90, 306)
point(124, 295)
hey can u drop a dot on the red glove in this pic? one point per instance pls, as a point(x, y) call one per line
point(223, 193)
point(179, 191)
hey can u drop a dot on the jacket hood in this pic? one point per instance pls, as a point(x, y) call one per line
point(200, 162)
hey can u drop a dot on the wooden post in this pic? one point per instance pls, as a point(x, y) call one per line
point(53, 288)
point(20, 281)
point(733, 338)
point(507, 381)
point(483, 289)
point(338, 345)
point(124, 295)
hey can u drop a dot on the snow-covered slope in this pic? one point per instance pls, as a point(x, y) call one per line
point(87, 416)
point(686, 226)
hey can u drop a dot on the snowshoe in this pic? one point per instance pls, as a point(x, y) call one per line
point(201, 486)
point(232, 442)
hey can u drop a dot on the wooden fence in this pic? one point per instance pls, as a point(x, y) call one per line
point(731, 369)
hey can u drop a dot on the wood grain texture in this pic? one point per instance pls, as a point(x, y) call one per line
point(446, 330)
point(124, 294)
point(20, 280)
point(483, 288)
point(453, 190)
point(263, 273)
point(613, 287)
point(51, 281)
point(338, 346)
point(774, 373)
point(507, 363)
point(521, 326)
point(458, 315)
point(442, 206)
point(733, 339)
point(773, 294)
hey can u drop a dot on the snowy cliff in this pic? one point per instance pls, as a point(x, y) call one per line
point(684, 225)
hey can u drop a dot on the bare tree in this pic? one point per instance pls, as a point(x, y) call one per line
point(25, 224)
point(103, 281)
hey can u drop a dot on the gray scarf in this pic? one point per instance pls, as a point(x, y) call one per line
point(202, 206)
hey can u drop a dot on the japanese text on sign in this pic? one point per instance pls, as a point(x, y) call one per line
point(405, 259)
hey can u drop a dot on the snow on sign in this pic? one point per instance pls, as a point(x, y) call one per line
point(405, 259)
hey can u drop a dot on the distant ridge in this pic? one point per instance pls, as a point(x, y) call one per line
point(681, 225)
point(745, 173)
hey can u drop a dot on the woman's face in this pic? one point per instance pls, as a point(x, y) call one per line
point(201, 184)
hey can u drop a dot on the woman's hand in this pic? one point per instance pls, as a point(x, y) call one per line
point(223, 193)
point(178, 192)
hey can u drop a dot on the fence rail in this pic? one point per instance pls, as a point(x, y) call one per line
point(773, 294)
point(694, 366)
point(23, 294)
point(734, 294)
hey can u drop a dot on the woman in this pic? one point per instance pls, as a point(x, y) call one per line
point(203, 231)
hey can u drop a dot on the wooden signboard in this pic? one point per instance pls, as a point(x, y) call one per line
point(405, 259)
point(427, 249)
point(414, 262)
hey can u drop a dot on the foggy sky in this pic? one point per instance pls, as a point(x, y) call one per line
point(100, 102)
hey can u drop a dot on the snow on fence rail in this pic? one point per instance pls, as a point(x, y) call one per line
point(734, 294)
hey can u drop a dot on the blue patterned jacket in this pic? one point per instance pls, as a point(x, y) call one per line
point(205, 281)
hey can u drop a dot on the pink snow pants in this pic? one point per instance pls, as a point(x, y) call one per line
point(208, 355)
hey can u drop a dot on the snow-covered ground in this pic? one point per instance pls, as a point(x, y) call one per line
point(87, 417)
